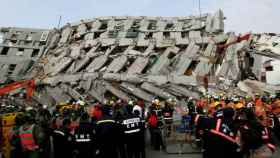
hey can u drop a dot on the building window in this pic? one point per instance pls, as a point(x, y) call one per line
point(28, 38)
point(166, 35)
point(20, 51)
point(35, 52)
point(152, 25)
point(169, 26)
point(5, 51)
point(12, 67)
point(103, 26)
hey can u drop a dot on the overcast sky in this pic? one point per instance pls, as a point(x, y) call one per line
point(242, 15)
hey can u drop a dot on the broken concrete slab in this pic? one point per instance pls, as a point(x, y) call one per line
point(195, 36)
point(71, 92)
point(133, 78)
point(138, 65)
point(61, 65)
point(97, 91)
point(155, 90)
point(58, 95)
point(117, 64)
point(97, 63)
point(132, 89)
point(186, 59)
point(75, 52)
point(116, 91)
point(65, 35)
point(183, 91)
point(164, 60)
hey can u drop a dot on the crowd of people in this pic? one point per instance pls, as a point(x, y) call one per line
point(224, 126)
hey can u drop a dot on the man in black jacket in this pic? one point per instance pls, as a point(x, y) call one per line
point(107, 133)
point(133, 128)
point(63, 140)
point(84, 138)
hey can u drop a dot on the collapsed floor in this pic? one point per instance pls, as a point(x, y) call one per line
point(148, 57)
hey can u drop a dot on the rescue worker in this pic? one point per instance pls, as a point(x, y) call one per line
point(155, 122)
point(237, 103)
point(254, 138)
point(167, 111)
point(14, 139)
point(84, 138)
point(29, 137)
point(133, 127)
point(219, 136)
point(249, 102)
point(63, 140)
point(107, 133)
point(258, 100)
point(44, 121)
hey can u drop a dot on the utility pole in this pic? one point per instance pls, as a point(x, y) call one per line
point(59, 21)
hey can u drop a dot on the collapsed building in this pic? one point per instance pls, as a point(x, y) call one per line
point(138, 57)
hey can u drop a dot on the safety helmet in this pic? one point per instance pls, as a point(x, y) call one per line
point(45, 106)
point(130, 102)
point(80, 102)
point(235, 99)
point(156, 101)
point(29, 108)
point(216, 97)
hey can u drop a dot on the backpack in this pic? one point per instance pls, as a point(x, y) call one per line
point(153, 121)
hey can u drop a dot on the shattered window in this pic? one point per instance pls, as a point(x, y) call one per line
point(35, 52)
point(152, 25)
point(169, 26)
point(104, 25)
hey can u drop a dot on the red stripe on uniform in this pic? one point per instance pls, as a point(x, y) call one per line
point(271, 146)
point(23, 135)
point(223, 135)
point(196, 119)
point(218, 125)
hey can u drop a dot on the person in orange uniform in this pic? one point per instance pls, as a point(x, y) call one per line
point(258, 100)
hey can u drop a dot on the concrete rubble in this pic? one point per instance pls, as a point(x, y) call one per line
point(142, 57)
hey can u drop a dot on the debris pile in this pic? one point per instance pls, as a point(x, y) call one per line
point(147, 57)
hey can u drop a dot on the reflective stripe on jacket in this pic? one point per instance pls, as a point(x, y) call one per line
point(27, 138)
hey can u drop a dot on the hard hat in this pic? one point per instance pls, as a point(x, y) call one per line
point(45, 106)
point(216, 97)
point(29, 108)
point(130, 102)
point(235, 99)
point(80, 102)
point(169, 100)
point(111, 102)
point(156, 101)
point(216, 103)
point(272, 96)
point(238, 106)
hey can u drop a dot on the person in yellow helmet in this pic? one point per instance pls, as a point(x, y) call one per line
point(237, 103)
